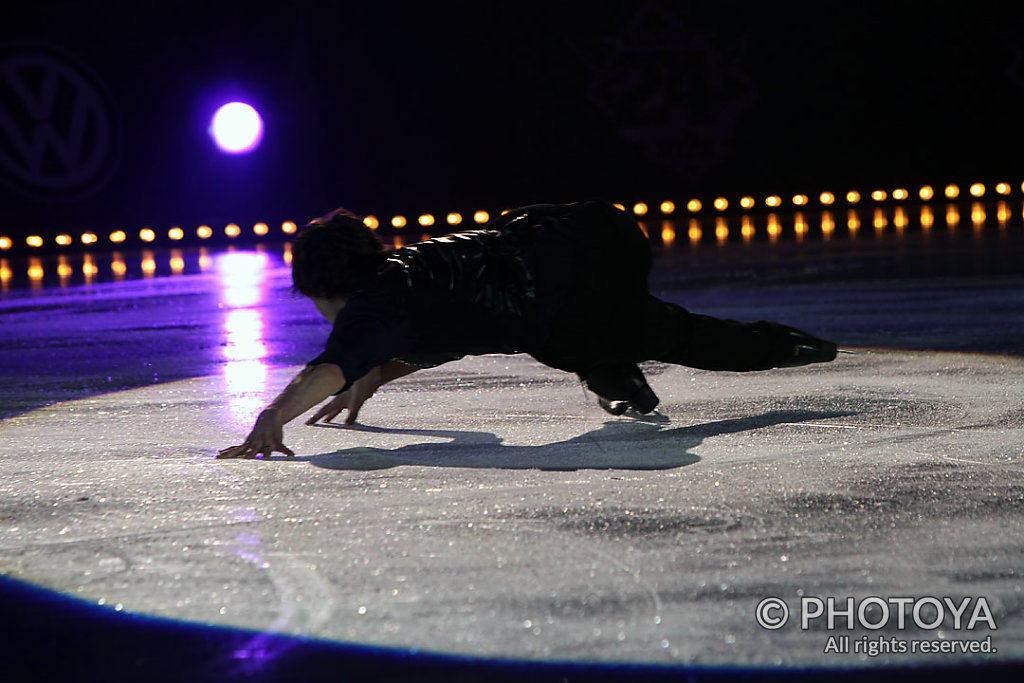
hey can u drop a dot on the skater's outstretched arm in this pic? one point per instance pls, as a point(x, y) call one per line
point(353, 398)
point(309, 387)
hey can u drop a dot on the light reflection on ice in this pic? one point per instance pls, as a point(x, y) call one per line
point(241, 276)
point(244, 328)
point(245, 382)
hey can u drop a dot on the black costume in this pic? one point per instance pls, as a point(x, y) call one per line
point(566, 284)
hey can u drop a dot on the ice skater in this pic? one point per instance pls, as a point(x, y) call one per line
point(566, 284)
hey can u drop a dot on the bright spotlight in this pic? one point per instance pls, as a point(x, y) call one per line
point(236, 128)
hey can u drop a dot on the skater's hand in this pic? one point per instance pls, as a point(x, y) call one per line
point(351, 399)
point(265, 437)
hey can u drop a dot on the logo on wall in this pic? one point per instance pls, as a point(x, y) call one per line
point(60, 137)
point(670, 91)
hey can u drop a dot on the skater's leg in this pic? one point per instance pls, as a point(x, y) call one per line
point(699, 341)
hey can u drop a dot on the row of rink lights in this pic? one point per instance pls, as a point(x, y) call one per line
point(239, 265)
point(880, 220)
point(640, 209)
point(853, 197)
point(149, 235)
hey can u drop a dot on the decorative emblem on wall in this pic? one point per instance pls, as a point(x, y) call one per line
point(60, 136)
point(670, 90)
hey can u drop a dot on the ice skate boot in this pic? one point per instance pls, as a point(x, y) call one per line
point(800, 348)
point(621, 387)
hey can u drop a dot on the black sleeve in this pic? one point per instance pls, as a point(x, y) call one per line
point(366, 334)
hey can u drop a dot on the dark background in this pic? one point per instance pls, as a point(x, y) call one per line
point(432, 106)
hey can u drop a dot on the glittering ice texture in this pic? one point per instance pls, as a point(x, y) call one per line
point(487, 506)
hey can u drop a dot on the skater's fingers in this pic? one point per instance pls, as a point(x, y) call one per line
point(231, 451)
point(353, 412)
point(326, 413)
point(330, 410)
point(317, 415)
point(239, 451)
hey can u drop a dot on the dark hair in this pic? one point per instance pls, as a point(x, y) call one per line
point(334, 254)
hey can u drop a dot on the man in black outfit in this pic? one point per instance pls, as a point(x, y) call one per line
point(566, 284)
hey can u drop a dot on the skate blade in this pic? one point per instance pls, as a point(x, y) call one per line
point(653, 417)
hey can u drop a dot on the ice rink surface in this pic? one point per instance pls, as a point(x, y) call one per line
point(489, 508)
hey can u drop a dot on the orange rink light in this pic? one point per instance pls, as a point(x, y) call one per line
point(147, 235)
point(952, 216)
point(927, 217)
point(668, 233)
point(747, 229)
point(900, 219)
point(118, 236)
point(828, 223)
point(800, 226)
point(721, 229)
